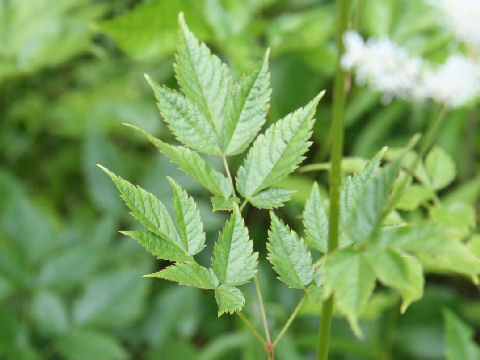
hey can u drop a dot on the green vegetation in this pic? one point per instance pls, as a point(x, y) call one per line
point(371, 252)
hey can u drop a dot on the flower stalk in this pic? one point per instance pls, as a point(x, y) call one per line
point(336, 153)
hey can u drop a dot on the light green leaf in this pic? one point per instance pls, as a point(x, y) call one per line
point(220, 203)
point(246, 109)
point(147, 209)
point(203, 78)
point(399, 271)
point(159, 247)
point(459, 339)
point(150, 30)
point(348, 275)
point(289, 255)
point(229, 299)
point(271, 198)
point(234, 261)
point(353, 186)
point(192, 164)
point(458, 216)
point(315, 220)
point(188, 219)
point(188, 273)
point(278, 152)
point(184, 118)
point(367, 214)
point(440, 168)
point(435, 247)
point(414, 196)
point(474, 245)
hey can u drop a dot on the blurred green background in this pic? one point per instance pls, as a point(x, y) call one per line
point(71, 71)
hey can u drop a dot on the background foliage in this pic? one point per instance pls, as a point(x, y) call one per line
point(71, 72)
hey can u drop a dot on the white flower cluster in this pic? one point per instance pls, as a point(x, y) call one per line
point(390, 69)
point(463, 18)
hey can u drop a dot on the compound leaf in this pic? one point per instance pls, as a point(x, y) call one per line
point(234, 261)
point(147, 209)
point(229, 299)
point(203, 78)
point(188, 220)
point(440, 168)
point(399, 271)
point(246, 109)
point(315, 220)
point(278, 152)
point(348, 275)
point(289, 255)
point(190, 274)
point(184, 118)
point(271, 198)
point(157, 246)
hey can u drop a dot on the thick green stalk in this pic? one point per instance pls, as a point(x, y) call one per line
point(338, 128)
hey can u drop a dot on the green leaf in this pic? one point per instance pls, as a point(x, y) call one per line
point(440, 168)
point(367, 214)
point(49, 313)
point(192, 164)
point(348, 275)
point(289, 255)
point(229, 299)
point(184, 118)
point(220, 203)
point(474, 245)
point(435, 247)
point(278, 152)
point(414, 196)
point(234, 261)
point(353, 186)
point(113, 299)
point(458, 216)
point(399, 271)
point(315, 220)
point(91, 344)
point(203, 78)
point(147, 209)
point(190, 274)
point(459, 339)
point(188, 219)
point(150, 30)
point(271, 198)
point(159, 247)
point(246, 108)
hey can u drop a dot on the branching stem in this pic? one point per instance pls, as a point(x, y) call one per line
point(252, 329)
point(289, 321)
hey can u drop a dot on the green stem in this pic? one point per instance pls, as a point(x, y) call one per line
point(426, 142)
point(243, 204)
point(338, 129)
point(357, 24)
point(229, 176)
point(289, 321)
point(262, 310)
point(252, 329)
